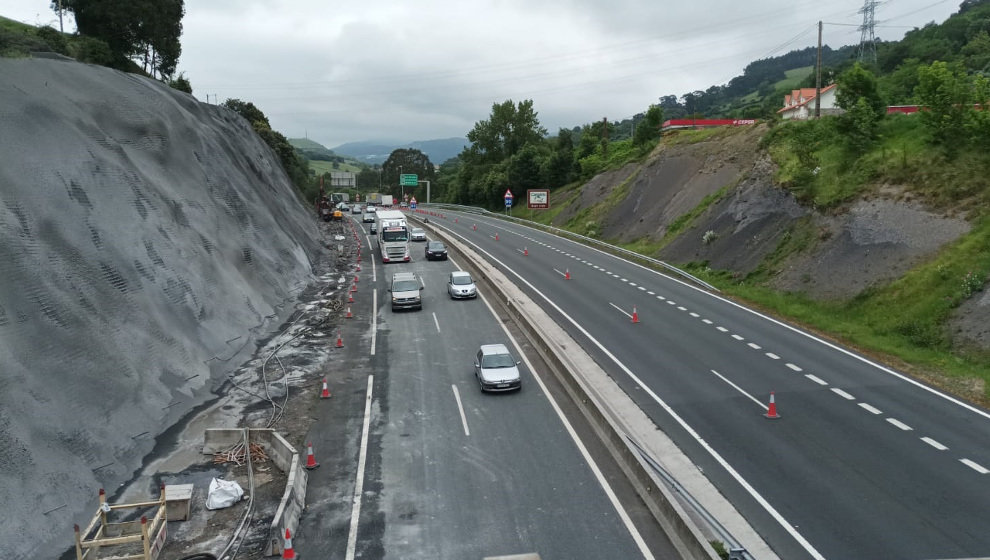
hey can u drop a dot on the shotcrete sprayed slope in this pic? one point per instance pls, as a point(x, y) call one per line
point(144, 239)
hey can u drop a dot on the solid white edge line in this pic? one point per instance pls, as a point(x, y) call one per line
point(436, 321)
point(359, 483)
point(780, 519)
point(606, 487)
point(460, 408)
point(738, 388)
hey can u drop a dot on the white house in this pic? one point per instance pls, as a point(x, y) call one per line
point(800, 104)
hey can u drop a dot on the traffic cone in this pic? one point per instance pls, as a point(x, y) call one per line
point(353, 287)
point(635, 317)
point(325, 393)
point(355, 278)
point(287, 550)
point(525, 252)
point(567, 274)
point(475, 227)
point(496, 236)
point(772, 412)
point(359, 265)
point(350, 298)
point(349, 315)
point(310, 459)
point(455, 220)
point(340, 341)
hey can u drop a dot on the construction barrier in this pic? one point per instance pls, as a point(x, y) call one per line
point(288, 460)
point(127, 540)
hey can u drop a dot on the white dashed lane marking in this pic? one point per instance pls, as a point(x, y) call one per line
point(754, 346)
point(816, 379)
point(737, 337)
point(870, 409)
point(843, 394)
point(899, 424)
point(975, 466)
point(794, 367)
point(934, 443)
point(772, 356)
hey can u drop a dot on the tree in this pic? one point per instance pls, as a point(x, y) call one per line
point(509, 128)
point(859, 83)
point(247, 110)
point(405, 162)
point(947, 95)
point(559, 169)
point(525, 169)
point(146, 29)
point(648, 130)
point(181, 83)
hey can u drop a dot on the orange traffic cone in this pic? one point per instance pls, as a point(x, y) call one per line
point(287, 550)
point(353, 287)
point(496, 236)
point(772, 412)
point(567, 274)
point(325, 394)
point(349, 315)
point(350, 298)
point(359, 265)
point(310, 459)
point(340, 341)
point(525, 252)
point(635, 317)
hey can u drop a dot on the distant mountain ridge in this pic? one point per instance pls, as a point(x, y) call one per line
point(371, 152)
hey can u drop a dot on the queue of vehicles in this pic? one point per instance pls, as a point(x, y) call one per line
point(495, 369)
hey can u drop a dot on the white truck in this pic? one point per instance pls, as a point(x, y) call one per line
point(387, 200)
point(393, 235)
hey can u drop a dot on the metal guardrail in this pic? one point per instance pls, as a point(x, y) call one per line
point(736, 550)
point(576, 237)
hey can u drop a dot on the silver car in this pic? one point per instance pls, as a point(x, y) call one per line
point(496, 369)
point(460, 285)
point(417, 234)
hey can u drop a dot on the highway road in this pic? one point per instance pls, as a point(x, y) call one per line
point(863, 462)
point(436, 469)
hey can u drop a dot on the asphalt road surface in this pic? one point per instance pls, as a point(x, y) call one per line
point(863, 461)
point(429, 467)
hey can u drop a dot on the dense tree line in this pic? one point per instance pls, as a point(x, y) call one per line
point(145, 32)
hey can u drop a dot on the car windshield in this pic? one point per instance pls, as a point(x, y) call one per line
point(417, 231)
point(497, 361)
point(405, 286)
point(436, 246)
point(399, 235)
point(460, 280)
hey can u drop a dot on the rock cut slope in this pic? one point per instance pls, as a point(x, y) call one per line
point(147, 241)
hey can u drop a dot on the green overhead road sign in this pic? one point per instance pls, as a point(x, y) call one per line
point(408, 180)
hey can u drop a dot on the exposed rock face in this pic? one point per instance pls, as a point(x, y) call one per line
point(871, 242)
point(145, 239)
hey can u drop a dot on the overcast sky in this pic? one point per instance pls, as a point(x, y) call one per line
point(402, 70)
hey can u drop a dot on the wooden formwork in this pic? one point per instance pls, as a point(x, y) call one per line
point(127, 540)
